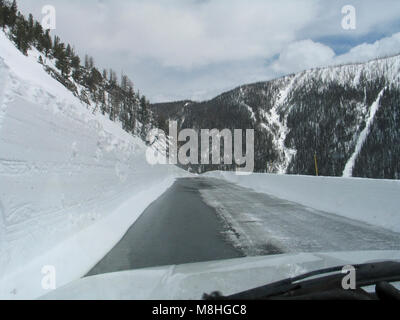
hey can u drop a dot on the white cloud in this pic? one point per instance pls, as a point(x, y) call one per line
point(194, 48)
point(184, 34)
point(194, 35)
point(302, 55)
point(384, 47)
point(371, 16)
point(307, 54)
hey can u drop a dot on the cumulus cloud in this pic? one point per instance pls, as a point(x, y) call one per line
point(371, 16)
point(303, 55)
point(381, 48)
point(194, 35)
point(185, 34)
point(197, 48)
point(307, 54)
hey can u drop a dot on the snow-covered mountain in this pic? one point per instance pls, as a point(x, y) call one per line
point(348, 115)
point(71, 180)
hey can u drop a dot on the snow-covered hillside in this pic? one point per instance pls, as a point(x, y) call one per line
point(71, 181)
point(371, 78)
point(348, 115)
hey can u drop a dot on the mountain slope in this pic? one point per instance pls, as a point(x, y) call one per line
point(347, 115)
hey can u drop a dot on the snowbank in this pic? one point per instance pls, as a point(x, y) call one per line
point(71, 182)
point(376, 202)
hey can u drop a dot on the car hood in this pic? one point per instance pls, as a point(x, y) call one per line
point(190, 281)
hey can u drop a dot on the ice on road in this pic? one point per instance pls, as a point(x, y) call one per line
point(257, 223)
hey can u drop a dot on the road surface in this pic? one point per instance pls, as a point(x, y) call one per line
point(177, 228)
point(202, 219)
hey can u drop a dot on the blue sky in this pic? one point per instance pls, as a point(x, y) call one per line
point(196, 49)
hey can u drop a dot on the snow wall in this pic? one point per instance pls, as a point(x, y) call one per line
point(71, 181)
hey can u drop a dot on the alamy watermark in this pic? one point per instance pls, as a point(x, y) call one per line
point(188, 153)
point(49, 17)
point(349, 21)
point(349, 280)
point(49, 277)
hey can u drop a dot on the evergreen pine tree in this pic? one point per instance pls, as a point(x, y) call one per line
point(46, 43)
point(2, 11)
point(38, 36)
point(20, 34)
point(62, 62)
point(11, 14)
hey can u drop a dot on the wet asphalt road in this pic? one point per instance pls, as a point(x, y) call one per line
point(203, 219)
point(177, 228)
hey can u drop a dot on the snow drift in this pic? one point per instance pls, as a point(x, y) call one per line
point(67, 176)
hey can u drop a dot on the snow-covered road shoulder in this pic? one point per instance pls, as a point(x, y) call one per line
point(376, 202)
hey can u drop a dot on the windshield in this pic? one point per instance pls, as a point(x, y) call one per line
point(154, 150)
